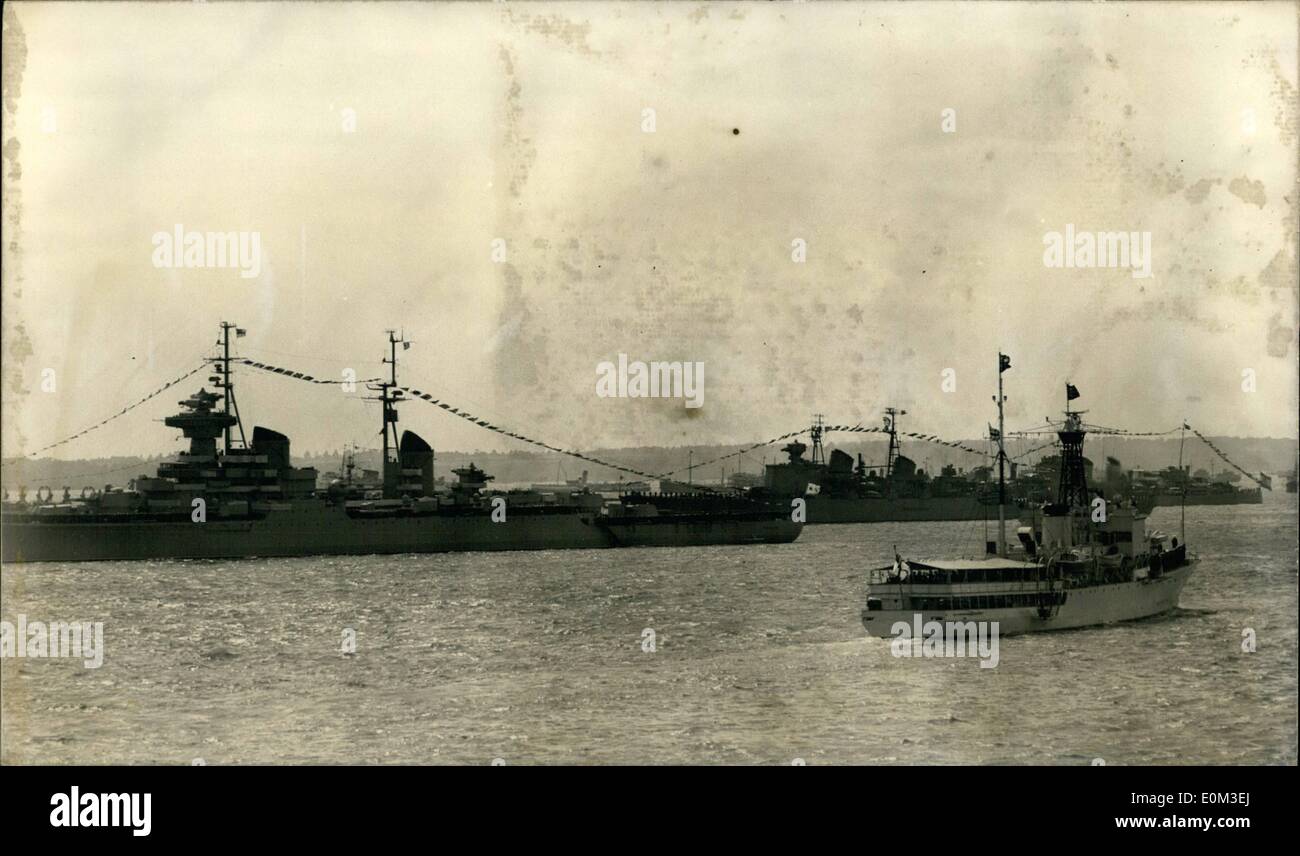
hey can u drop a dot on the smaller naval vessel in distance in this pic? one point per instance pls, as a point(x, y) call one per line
point(583, 483)
point(1175, 486)
point(836, 489)
point(1079, 562)
point(243, 497)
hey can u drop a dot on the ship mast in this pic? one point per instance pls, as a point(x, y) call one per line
point(891, 428)
point(1004, 363)
point(1182, 504)
point(227, 387)
point(818, 453)
point(1074, 479)
point(389, 397)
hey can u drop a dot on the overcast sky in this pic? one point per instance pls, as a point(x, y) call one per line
point(379, 150)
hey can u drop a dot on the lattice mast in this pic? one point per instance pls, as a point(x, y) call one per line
point(891, 428)
point(818, 426)
point(1073, 490)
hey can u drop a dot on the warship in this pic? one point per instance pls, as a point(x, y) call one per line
point(585, 483)
point(1038, 484)
point(1174, 486)
point(1080, 562)
point(836, 489)
point(234, 498)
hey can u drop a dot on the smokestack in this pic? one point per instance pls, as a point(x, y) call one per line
point(416, 461)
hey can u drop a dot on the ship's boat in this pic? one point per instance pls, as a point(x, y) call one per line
point(247, 499)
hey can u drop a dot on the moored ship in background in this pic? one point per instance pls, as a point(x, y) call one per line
point(1174, 486)
point(247, 499)
point(838, 489)
point(585, 483)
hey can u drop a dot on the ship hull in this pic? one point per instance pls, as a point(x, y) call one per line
point(826, 509)
point(823, 510)
point(1241, 497)
point(329, 531)
point(1083, 607)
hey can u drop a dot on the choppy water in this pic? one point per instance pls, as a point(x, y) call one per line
point(537, 657)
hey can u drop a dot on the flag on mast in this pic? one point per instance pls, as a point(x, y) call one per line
point(1004, 363)
point(1071, 392)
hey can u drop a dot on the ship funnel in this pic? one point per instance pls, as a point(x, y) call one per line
point(841, 462)
point(273, 444)
point(416, 457)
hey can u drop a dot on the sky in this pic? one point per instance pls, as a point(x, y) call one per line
point(835, 207)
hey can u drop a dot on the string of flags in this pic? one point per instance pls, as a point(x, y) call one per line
point(483, 423)
point(1093, 429)
point(458, 412)
point(299, 375)
point(929, 438)
point(1123, 433)
point(1261, 480)
point(1031, 451)
point(854, 429)
point(574, 453)
point(83, 432)
point(735, 454)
